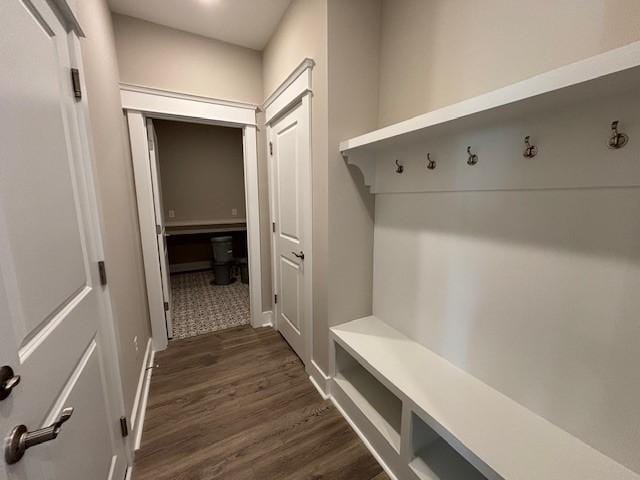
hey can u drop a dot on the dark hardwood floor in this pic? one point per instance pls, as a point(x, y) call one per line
point(238, 405)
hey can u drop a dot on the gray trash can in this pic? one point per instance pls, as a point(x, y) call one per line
point(222, 249)
point(244, 270)
point(221, 273)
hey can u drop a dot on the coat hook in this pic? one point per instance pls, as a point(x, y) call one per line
point(399, 167)
point(617, 139)
point(431, 165)
point(473, 158)
point(530, 151)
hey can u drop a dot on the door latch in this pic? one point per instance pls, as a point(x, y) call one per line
point(8, 381)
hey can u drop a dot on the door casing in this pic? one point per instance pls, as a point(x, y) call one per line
point(295, 92)
point(141, 103)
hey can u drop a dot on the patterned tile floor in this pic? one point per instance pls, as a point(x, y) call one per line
point(199, 307)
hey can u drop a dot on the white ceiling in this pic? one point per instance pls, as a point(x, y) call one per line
point(249, 23)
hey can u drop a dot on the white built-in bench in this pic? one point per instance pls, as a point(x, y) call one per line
point(428, 419)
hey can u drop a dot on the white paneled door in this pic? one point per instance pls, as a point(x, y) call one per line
point(161, 235)
point(52, 328)
point(289, 156)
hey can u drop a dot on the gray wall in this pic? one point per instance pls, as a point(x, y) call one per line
point(156, 56)
point(302, 33)
point(160, 57)
point(116, 193)
point(438, 52)
point(202, 171)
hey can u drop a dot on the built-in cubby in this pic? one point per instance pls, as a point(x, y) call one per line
point(434, 458)
point(377, 402)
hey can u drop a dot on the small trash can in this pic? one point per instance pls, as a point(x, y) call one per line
point(221, 273)
point(222, 249)
point(244, 270)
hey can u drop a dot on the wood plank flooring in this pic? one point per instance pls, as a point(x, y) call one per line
point(238, 405)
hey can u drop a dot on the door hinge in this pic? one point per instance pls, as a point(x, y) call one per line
point(273, 227)
point(124, 427)
point(102, 269)
point(270, 148)
point(275, 298)
point(75, 83)
point(158, 229)
point(166, 306)
point(150, 138)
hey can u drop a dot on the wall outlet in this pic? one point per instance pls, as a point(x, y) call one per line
point(172, 214)
point(234, 212)
point(135, 342)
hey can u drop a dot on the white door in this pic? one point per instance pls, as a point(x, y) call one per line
point(161, 237)
point(51, 300)
point(289, 152)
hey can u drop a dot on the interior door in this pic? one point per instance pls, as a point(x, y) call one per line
point(51, 300)
point(288, 142)
point(161, 235)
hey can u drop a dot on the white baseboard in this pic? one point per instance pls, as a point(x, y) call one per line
point(267, 319)
point(319, 379)
point(189, 266)
point(366, 442)
point(138, 411)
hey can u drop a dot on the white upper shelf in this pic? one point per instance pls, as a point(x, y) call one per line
point(612, 71)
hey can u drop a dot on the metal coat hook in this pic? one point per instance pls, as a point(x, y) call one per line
point(399, 167)
point(530, 151)
point(473, 158)
point(617, 139)
point(431, 164)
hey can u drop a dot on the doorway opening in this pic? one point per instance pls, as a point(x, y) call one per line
point(195, 166)
point(201, 201)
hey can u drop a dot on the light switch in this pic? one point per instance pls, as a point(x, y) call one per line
point(234, 212)
point(172, 214)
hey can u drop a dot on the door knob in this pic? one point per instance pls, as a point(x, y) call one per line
point(299, 255)
point(8, 380)
point(20, 439)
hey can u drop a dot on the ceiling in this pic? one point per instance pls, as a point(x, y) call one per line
point(249, 23)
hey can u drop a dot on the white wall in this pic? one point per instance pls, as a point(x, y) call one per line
point(437, 52)
point(116, 192)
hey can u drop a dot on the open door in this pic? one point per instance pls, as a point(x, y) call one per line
point(161, 236)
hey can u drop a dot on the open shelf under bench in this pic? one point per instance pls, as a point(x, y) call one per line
point(451, 417)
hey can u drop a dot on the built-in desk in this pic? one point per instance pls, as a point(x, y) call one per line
point(194, 227)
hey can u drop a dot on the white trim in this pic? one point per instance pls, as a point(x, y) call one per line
point(142, 414)
point(252, 201)
point(147, 222)
point(130, 87)
point(364, 439)
point(319, 379)
point(204, 223)
point(167, 104)
point(296, 85)
point(189, 266)
point(140, 102)
point(267, 319)
point(129, 474)
point(136, 413)
point(306, 64)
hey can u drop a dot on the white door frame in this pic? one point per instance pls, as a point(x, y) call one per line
point(295, 91)
point(141, 103)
